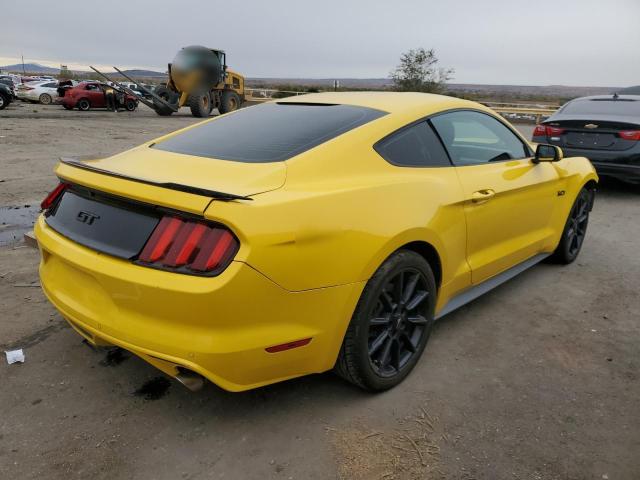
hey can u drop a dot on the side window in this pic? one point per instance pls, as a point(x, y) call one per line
point(49, 85)
point(415, 146)
point(236, 82)
point(473, 138)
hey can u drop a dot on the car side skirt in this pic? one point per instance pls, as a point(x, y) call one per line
point(478, 290)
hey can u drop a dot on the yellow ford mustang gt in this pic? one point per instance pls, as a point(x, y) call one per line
point(325, 231)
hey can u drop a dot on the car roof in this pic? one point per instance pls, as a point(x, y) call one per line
point(392, 102)
point(609, 97)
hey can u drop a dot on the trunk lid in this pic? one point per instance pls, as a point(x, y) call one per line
point(172, 180)
point(592, 134)
point(113, 205)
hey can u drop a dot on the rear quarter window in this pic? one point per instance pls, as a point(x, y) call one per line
point(269, 133)
point(413, 146)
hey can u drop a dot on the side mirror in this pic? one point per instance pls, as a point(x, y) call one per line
point(547, 153)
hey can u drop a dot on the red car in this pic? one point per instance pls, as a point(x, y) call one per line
point(87, 95)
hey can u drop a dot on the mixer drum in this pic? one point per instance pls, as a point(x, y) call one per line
point(196, 63)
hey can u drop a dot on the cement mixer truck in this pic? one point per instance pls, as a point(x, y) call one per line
point(200, 79)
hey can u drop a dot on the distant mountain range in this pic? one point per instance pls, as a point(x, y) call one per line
point(30, 68)
point(560, 91)
point(36, 68)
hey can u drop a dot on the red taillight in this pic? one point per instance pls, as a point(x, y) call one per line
point(629, 134)
point(554, 131)
point(190, 246)
point(539, 131)
point(542, 130)
point(53, 196)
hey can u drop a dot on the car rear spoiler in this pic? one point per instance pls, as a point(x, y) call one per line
point(223, 196)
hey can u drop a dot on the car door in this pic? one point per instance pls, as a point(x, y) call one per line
point(50, 87)
point(95, 95)
point(417, 150)
point(509, 200)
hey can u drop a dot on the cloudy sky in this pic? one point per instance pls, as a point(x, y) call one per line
point(532, 42)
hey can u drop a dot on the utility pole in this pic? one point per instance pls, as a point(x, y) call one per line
point(23, 70)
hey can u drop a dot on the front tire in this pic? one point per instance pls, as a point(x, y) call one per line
point(200, 103)
point(391, 324)
point(45, 99)
point(130, 105)
point(575, 229)
point(4, 101)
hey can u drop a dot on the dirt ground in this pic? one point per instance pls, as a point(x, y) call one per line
point(539, 379)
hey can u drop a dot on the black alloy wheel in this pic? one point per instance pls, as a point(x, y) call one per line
point(391, 324)
point(578, 225)
point(397, 323)
point(575, 229)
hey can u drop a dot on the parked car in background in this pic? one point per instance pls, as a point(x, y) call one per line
point(88, 95)
point(9, 83)
point(43, 91)
point(604, 128)
point(5, 96)
point(15, 80)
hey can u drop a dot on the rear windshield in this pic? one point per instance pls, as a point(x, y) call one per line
point(271, 132)
point(603, 106)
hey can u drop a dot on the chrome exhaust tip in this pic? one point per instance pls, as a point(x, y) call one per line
point(191, 380)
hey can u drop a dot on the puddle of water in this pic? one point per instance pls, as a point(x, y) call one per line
point(15, 222)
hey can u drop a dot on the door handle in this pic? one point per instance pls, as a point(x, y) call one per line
point(482, 196)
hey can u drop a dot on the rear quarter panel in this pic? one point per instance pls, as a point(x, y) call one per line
point(338, 217)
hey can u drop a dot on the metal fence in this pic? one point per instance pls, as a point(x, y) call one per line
point(523, 111)
point(513, 111)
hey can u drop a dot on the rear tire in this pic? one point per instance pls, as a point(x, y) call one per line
point(45, 99)
point(4, 101)
point(130, 105)
point(230, 101)
point(83, 104)
point(200, 104)
point(575, 229)
point(391, 324)
point(168, 96)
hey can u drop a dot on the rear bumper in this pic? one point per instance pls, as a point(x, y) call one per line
point(218, 327)
point(629, 173)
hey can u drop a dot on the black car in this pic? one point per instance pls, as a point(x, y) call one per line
point(605, 129)
point(6, 95)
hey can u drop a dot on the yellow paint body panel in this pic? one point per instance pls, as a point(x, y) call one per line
point(319, 226)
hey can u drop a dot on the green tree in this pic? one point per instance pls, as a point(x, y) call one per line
point(418, 71)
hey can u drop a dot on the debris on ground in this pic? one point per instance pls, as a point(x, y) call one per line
point(406, 452)
point(14, 356)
